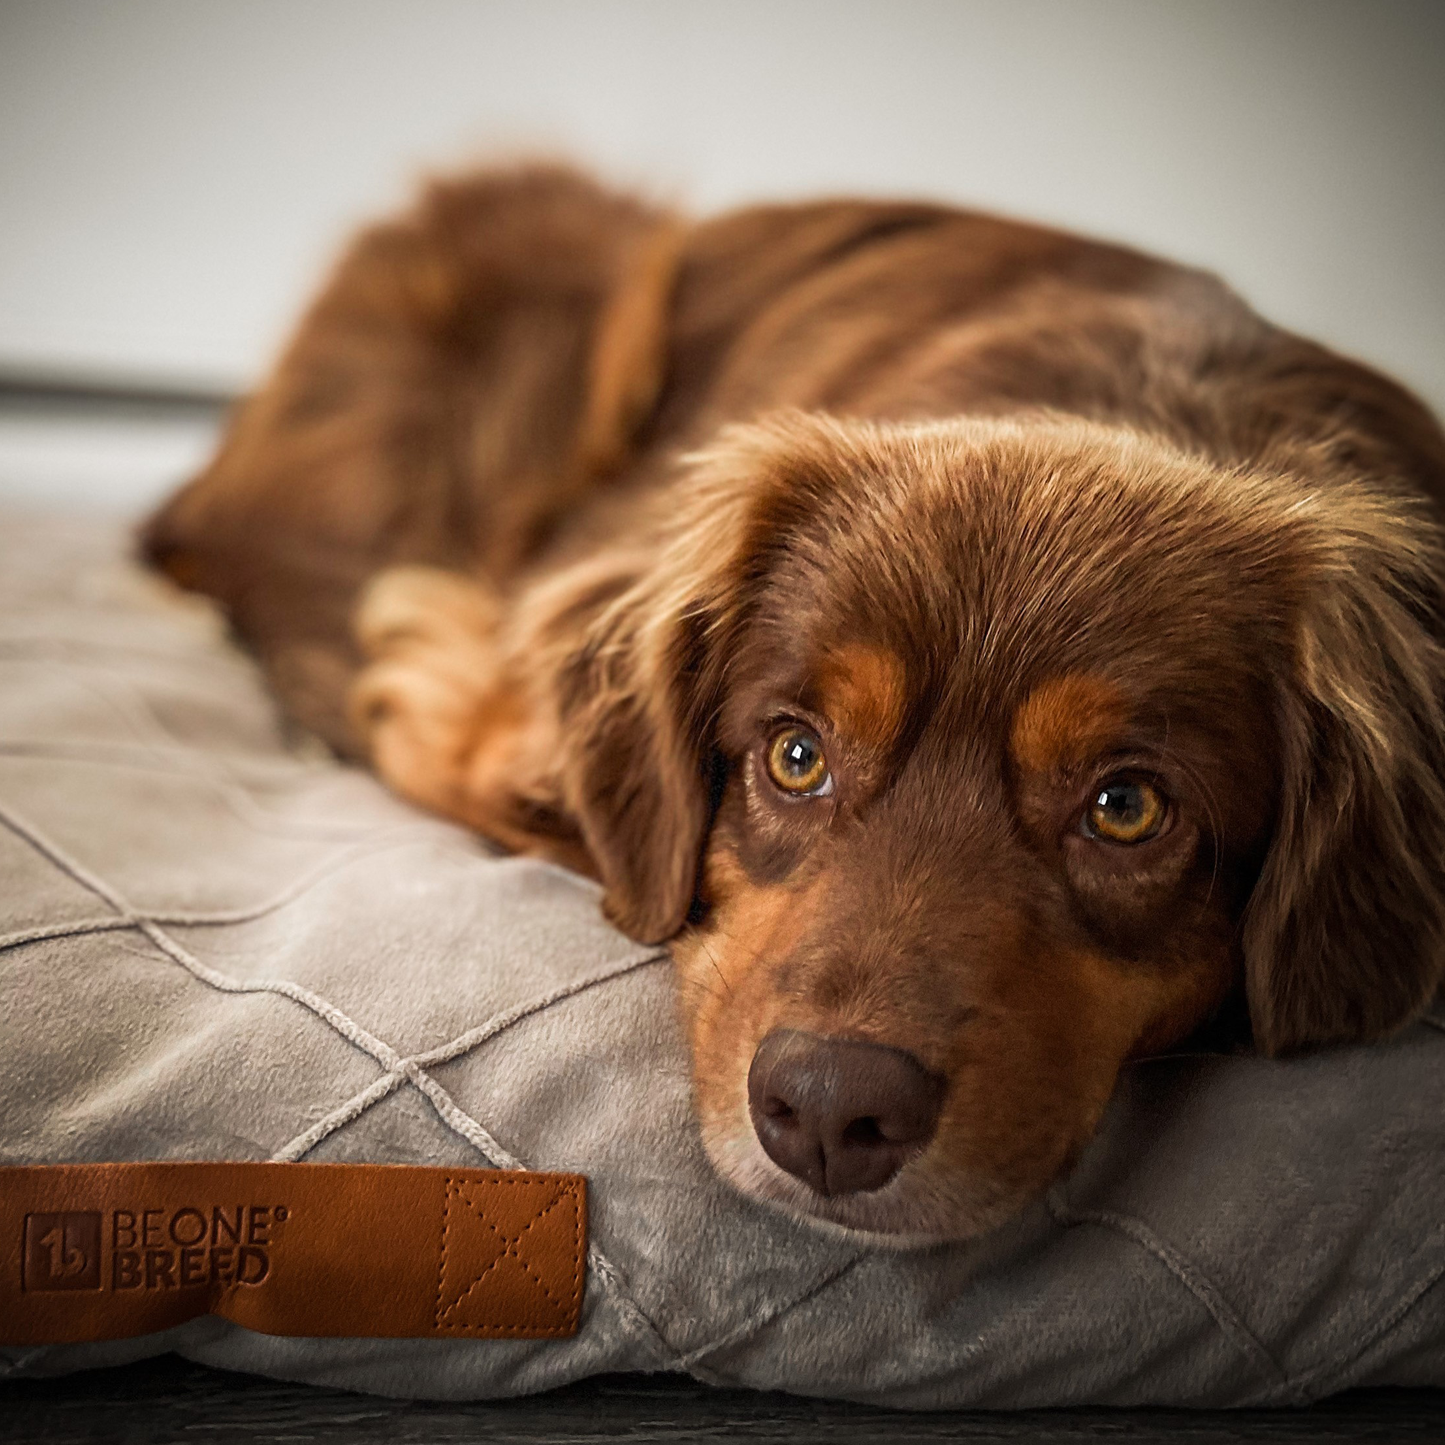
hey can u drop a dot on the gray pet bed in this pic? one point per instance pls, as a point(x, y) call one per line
point(215, 943)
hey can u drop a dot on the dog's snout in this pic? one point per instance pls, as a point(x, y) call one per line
point(840, 1115)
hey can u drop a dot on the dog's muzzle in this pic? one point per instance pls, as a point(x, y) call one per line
point(841, 1115)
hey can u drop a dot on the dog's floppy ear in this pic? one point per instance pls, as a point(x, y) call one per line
point(639, 699)
point(1344, 939)
point(636, 733)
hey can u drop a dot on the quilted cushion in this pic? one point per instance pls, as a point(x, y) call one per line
point(215, 942)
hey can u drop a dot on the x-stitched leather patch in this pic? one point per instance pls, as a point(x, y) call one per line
point(490, 1230)
point(107, 1251)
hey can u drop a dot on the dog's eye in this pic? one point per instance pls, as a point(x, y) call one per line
point(1126, 812)
point(796, 762)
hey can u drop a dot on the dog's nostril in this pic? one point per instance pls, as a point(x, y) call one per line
point(863, 1131)
point(840, 1115)
point(775, 1108)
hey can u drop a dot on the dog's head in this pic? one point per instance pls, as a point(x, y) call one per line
point(976, 759)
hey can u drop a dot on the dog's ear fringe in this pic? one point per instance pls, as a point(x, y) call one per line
point(1344, 937)
point(634, 759)
point(638, 699)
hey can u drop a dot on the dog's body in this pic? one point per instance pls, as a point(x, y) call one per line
point(1050, 661)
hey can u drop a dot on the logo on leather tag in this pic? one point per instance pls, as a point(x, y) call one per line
point(61, 1251)
point(151, 1249)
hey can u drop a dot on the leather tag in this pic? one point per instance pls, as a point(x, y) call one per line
point(107, 1251)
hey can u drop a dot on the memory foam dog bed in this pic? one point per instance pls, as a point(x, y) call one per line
point(216, 943)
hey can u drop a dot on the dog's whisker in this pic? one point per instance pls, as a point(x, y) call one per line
point(717, 968)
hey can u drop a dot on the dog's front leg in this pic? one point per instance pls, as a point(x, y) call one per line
point(447, 723)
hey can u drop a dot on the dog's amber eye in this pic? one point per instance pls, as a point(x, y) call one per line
point(796, 762)
point(1126, 812)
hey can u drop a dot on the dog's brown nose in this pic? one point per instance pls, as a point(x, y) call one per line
point(840, 1115)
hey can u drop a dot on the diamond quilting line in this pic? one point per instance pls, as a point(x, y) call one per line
point(494, 1276)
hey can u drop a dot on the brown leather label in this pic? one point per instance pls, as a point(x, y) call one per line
point(106, 1251)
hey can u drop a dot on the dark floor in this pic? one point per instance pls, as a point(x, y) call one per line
point(167, 1400)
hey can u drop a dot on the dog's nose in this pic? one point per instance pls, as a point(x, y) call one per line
point(840, 1115)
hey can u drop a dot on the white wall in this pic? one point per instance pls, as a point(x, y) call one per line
point(174, 172)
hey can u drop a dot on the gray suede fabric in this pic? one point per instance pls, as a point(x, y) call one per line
point(217, 943)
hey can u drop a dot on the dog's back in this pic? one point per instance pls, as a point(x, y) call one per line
point(495, 380)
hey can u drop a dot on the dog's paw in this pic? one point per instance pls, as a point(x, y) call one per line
point(418, 606)
point(423, 699)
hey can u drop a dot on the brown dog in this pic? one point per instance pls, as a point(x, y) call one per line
point(987, 654)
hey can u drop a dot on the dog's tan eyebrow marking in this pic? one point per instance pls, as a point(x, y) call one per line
point(864, 690)
point(1067, 721)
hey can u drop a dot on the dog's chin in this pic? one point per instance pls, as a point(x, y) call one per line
point(913, 1210)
